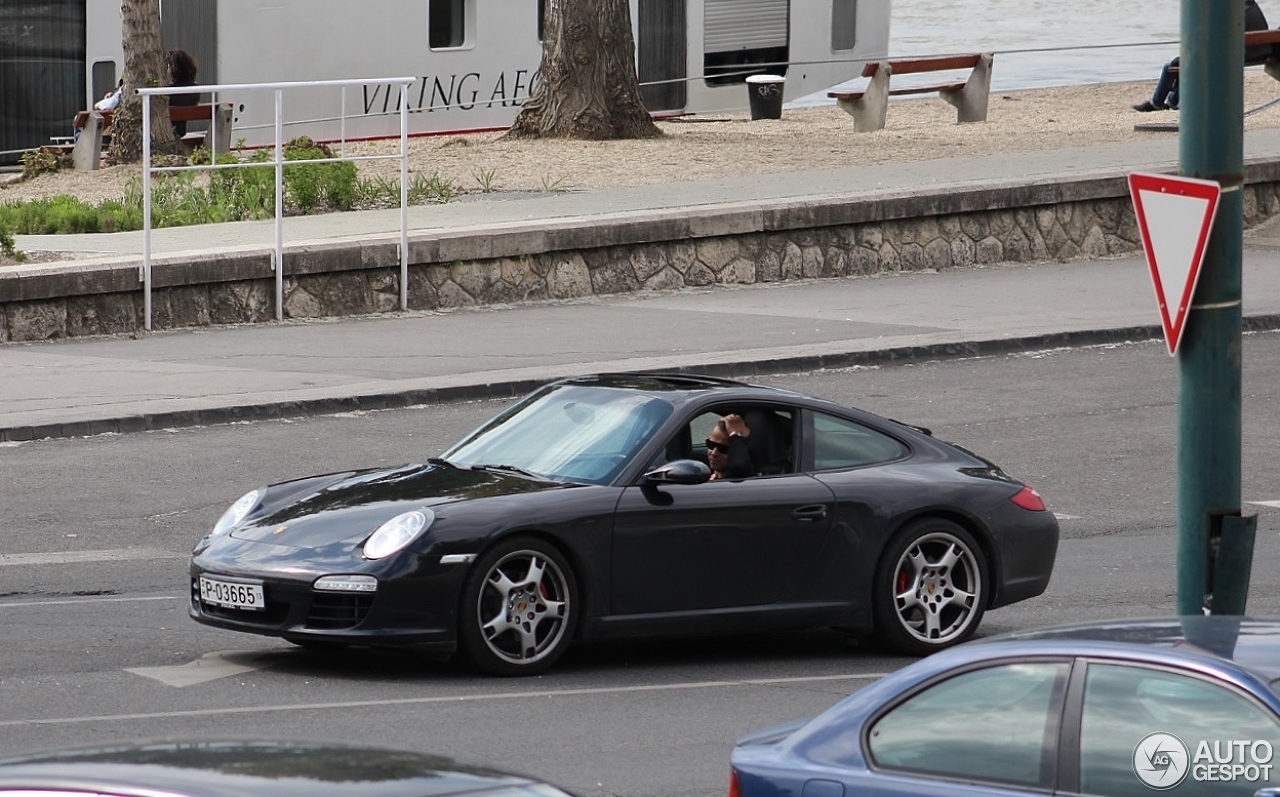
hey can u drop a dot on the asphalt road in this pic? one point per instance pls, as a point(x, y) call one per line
point(97, 646)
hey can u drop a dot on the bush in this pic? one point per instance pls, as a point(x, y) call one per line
point(43, 161)
point(9, 248)
point(245, 192)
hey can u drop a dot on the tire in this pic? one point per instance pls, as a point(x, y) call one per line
point(931, 588)
point(519, 608)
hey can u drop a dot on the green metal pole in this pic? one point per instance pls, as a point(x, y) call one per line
point(1211, 138)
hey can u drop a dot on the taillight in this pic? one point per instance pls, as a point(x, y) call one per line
point(1029, 499)
point(734, 789)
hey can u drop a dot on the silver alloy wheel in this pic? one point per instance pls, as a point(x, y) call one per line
point(522, 607)
point(937, 585)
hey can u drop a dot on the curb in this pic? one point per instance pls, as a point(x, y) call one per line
point(149, 422)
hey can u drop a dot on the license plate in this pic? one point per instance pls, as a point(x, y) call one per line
point(232, 595)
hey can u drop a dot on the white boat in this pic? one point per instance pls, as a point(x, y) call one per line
point(473, 61)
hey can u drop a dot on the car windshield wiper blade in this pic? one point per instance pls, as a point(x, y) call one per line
point(516, 469)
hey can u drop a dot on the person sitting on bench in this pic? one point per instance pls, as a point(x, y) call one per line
point(182, 72)
point(1165, 97)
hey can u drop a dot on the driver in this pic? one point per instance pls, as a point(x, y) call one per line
point(727, 452)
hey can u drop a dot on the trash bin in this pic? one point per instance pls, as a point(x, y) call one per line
point(765, 94)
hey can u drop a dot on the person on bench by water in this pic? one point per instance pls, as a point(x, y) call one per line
point(1165, 97)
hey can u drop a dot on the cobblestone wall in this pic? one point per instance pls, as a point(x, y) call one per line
point(360, 283)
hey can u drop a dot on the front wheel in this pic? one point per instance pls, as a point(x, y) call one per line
point(519, 608)
point(931, 588)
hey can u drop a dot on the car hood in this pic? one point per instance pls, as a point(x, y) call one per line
point(262, 768)
point(320, 511)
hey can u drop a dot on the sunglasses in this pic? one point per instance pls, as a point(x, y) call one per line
point(714, 446)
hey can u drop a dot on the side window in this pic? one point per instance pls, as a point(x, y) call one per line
point(838, 443)
point(996, 724)
point(446, 24)
point(1145, 729)
point(770, 441)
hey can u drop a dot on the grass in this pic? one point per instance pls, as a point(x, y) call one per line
point(239, 194)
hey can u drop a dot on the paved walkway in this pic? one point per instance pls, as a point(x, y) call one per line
point(165, 379)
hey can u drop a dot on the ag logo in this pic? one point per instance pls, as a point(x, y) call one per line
point(1160, 760)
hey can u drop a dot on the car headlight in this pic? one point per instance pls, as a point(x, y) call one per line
point(397, 532)
point(236, 513)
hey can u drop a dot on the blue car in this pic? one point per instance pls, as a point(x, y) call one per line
point(1187, 706)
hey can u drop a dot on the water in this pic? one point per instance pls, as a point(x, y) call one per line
point(1027, 37)
point(1040, 43)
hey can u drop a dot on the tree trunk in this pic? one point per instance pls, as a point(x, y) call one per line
point(144, 66)
point(587, 85)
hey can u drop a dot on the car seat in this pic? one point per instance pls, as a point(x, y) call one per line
point(770, 441)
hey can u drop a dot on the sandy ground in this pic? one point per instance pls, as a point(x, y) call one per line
point(707, 147)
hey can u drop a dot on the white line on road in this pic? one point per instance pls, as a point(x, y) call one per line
point(1270, 504)
point(422, 701)
point(79, 557)
point(83, 601)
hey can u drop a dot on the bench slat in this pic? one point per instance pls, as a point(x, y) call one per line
point(908, 66)
point(939, 87)
point(1256, 37)
point(177, 113)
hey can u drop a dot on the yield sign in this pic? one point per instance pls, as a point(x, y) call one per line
point(1175, 217)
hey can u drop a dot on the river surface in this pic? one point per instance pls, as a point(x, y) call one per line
point(1048, 42)
point(1041, 43)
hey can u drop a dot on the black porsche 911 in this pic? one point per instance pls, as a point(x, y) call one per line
point(587, 511)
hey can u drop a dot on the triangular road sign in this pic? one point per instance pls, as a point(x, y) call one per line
point(1175, 217)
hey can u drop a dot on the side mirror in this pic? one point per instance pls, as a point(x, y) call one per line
point(680, 471)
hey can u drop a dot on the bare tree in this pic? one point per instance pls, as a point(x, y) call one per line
point(144, 66)
point(587, 85)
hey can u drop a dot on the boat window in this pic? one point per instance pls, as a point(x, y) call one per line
point(844, 24)
point(446, 24)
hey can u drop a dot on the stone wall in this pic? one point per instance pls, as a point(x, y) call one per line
point(810, 239)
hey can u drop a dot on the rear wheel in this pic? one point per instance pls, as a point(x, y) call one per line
point(519, 608)
point(931, 588)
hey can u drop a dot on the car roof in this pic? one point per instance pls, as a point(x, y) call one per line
point(680, 388)
point(256, 769)
point(1250, 643)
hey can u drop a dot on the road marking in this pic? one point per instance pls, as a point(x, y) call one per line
point(1062, 516)
point(209, 667)
point(82, 601)
point(1268, 504)
point(79, 557)
point(423, 701)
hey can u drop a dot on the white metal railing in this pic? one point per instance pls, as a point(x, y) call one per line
point(277, 262)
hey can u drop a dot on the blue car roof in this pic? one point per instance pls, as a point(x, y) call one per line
point(1250, 643)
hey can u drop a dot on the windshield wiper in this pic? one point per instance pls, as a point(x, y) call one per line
point(519, 471)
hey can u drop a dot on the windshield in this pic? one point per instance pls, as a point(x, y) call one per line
point(566, 432)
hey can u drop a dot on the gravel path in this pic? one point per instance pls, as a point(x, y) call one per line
point(708, 147)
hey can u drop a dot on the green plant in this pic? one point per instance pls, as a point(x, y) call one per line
point(550, 185)
point(424, 190)
point(486, 179)
point(9, 248)
point(43, 161)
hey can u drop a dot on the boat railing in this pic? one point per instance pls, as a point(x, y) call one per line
point(278, 161)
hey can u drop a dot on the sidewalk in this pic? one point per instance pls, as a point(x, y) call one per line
point(211, 375)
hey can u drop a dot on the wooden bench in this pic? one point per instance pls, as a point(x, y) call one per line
point(87, 151)
point(870, 106)
point(1257, 38)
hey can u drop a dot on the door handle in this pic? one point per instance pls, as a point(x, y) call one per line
point(808, 514)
